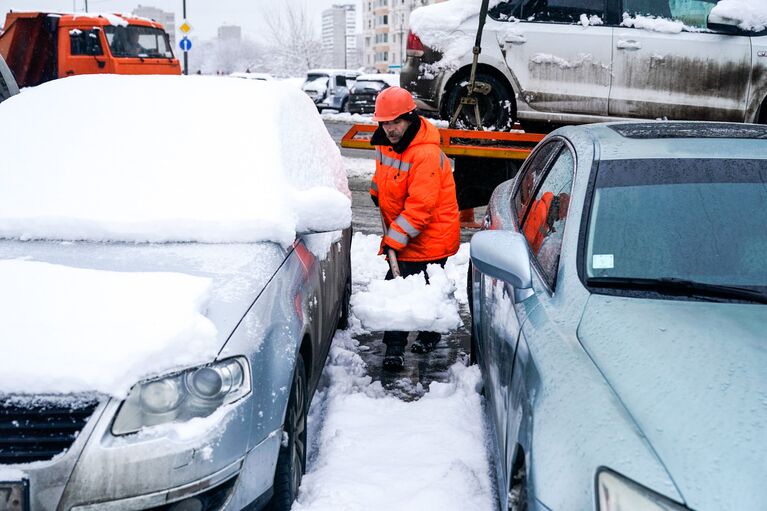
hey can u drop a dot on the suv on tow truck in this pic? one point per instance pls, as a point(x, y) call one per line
point(578, 61)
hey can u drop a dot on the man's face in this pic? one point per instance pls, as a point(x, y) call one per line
point(395, 129)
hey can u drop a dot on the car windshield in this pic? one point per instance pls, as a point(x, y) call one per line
point(699, 220)
point(137, 41)
point(368, 86)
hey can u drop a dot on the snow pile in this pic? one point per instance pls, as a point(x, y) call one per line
point(346, 117)
point(405, 304)
point(376, 452)
point(751, 14)
point(246, 161)
point(136, 323)
point(359, 167)
point(591, 21)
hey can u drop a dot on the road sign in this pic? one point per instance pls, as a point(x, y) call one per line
point(185, 44)
point(185, 27)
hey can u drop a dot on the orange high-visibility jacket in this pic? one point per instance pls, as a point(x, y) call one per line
point(416, 194)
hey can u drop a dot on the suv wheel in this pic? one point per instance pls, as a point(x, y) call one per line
point(497, 109)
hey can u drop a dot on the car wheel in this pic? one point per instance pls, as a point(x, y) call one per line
point(343, 316)
point(291, 461)
point(497, 109)
point(345, 105)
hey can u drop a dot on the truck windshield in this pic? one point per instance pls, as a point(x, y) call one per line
point(700, 220)
point(138, 41)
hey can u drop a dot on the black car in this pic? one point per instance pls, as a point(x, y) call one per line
point(362, 97)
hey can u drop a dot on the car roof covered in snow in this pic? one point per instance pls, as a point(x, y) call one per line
point(93, 157)
point(389, 78)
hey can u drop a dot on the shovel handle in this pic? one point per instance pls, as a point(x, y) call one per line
point(391, 254)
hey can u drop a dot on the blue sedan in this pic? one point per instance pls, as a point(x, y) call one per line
point(619, 296)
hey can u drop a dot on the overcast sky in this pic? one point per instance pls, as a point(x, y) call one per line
point(205, 16)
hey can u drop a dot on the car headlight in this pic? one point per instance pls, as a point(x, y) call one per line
point(182, 396)
point(616, 493)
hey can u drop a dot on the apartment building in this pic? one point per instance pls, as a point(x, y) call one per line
point(385, 27)
point(339, 36)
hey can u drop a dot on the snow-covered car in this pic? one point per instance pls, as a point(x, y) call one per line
point(169, 296)
point(362, 96)
point(252, 76)
point(329, 88)
point(619, 302)
point(578, 61)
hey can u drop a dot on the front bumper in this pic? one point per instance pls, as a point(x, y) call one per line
point(156, 466)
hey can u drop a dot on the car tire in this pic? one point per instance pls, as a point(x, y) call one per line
point(291, 461)
point(497, 110)
point(343, 315)
point(345, 106)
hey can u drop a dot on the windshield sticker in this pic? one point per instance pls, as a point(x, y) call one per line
point(602, 261)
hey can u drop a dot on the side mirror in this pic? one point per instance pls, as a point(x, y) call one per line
point(723, 25)
point(504, 255)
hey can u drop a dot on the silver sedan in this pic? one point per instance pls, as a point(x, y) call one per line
point(619, 299)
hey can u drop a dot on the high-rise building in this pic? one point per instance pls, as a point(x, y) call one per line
point(339, 38)
point(168, 20)
point(385, 27)
point(229, 33)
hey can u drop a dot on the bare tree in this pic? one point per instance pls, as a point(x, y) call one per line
point(293, 41)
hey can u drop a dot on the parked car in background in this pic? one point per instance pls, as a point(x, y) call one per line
point(43, 46)
point(619, 300)
point(166, 317)
point(329, 88)
point(252, 76)
point(362, 98)
point(587, 61)
point(8, 86)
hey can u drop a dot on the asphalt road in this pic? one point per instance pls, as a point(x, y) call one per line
point(419, 369)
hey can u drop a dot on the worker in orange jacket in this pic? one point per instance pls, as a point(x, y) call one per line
point(413, 187)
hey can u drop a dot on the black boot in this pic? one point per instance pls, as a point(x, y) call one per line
point(394, 359)
point(422, 346)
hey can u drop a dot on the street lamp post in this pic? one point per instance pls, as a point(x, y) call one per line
point(186, 53)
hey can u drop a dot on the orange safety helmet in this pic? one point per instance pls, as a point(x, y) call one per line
point(393, 102)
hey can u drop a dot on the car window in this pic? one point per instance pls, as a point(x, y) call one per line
point(693, 13)
point(340, 81)
point(560, 11)
point(85, 42)
point(545, 222)
point(530, 177)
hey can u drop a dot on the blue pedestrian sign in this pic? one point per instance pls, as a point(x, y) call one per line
point(185, 44)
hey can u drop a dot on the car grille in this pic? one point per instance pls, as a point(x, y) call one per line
point(39, 430)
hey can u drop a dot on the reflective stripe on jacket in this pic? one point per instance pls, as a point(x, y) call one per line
point(416, 194)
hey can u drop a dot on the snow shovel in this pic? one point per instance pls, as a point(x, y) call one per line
point(392, 255)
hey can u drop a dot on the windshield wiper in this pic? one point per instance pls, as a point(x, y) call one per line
point(680, 287)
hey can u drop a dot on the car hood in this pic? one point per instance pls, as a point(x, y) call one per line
point(235, 273)
point(692, 375)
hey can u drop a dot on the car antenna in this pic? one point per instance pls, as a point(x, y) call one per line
point(475, 87)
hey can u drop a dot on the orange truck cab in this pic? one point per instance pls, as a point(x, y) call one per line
point(40, 46)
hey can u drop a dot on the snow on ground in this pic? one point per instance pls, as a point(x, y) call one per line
point(405, 304)
point(136, 322)
point(234, 170)
point(373, 451)
point(347, 118)
point(359, 167)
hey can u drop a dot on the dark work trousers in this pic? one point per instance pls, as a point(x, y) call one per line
point(406, 268)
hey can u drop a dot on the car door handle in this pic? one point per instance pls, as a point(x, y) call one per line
point(628, 45)
point(515, 39)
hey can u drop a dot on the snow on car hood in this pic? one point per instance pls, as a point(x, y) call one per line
point(96, 317)
point(442, 27)
point(167, 158)
point(692, 375)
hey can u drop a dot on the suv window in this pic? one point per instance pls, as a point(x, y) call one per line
point(545, 222)
point(693, 13)
point(558, 11)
